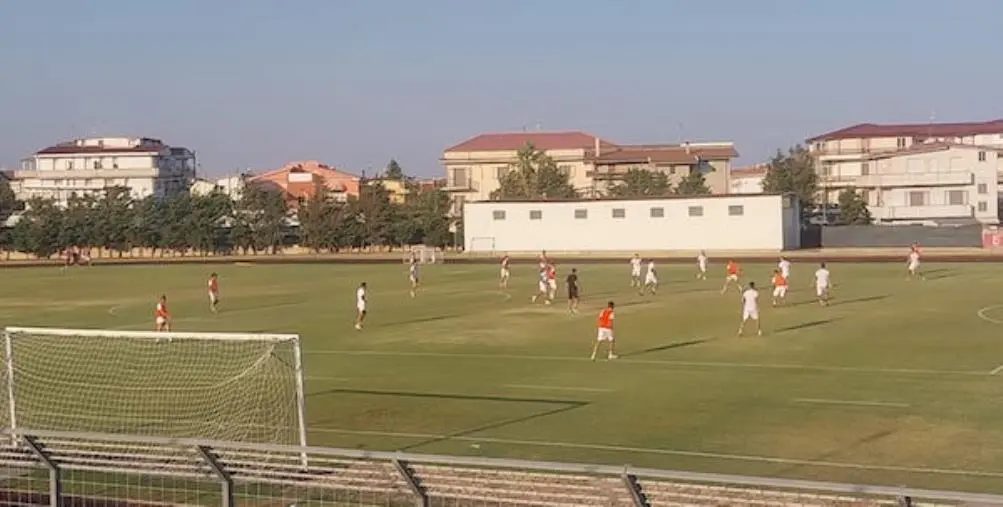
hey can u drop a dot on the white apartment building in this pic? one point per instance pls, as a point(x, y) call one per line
point(232, 186)
point(915, 172)
point(146, 166)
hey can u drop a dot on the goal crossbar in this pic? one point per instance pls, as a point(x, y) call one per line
point(153, 335)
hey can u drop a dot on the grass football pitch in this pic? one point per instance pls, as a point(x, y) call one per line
point(897, 382)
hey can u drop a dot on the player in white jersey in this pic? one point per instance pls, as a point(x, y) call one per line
point(750, 309)
point(412, 274)
point(822, 284)
point(542, 288)
point(635, 271)
point(785, 268)
point(650, 279)
point(913, 264)
point(360, 305)
point(702, 265)
point(504, 274)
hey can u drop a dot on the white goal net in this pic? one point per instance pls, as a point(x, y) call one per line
point(218, 386)
point(426, 254)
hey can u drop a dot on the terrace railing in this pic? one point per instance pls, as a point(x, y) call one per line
point(77, 469)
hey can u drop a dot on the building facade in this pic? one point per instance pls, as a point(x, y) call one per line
point(475, 167)
point(930, 158)
point(299, 181)
point(147, 167)
point(714, 223)
point(748, 179)
point(232, 186)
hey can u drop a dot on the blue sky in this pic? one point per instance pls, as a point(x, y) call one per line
point(255, 83)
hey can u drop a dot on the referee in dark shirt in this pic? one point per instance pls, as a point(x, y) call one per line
point(572, 281)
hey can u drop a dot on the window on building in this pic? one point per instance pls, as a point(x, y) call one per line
point(498, 214)
point(956, 197)
point(502, 172)
point(696, 211)
point(581, 213)
point(460, 178)
point(736, 210)
point(97, 164)
point(900, 142)
point(983, 206)
point(865, 168)
point(917, 198)
point(535, 214)
point(69, 165)
point(982, 156)
point(114, 163)
point(619, 213)
point(983, 188)
point(657, 212)
point(458, 202)
point(567, 170)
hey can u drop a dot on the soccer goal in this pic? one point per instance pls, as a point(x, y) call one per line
point(483, 245)
point(216, 386)
point(426, 254)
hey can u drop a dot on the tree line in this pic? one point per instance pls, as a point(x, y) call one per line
point(261, 220)
point(794, 172)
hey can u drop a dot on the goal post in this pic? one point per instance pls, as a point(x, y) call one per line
point(243, 387)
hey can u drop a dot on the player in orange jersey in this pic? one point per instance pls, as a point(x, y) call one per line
point(779, 287)
point(213, 293)
point(505, 273)
point(732, 272)
point(551, 273)
point(162, 316)
point(605, 331)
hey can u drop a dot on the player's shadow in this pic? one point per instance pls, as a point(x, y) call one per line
point(667, 346)
point(806, 325)
point(865, 299)
point(873, 437)
point(562, 406)
point(937, 274)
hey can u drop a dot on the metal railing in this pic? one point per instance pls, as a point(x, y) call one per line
point(76, 469)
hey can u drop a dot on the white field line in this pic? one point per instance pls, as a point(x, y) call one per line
point(997, 370)
point(559, 388)
point(667, 452)
point(850, 402)
point(693, 364)
point(983, 314)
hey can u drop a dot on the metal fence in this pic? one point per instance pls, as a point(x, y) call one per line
point(78, 469)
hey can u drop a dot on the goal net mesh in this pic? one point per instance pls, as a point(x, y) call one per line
point(228, 387)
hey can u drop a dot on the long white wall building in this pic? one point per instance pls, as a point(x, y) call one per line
point(747, 222)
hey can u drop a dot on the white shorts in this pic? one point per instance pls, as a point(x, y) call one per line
point(650, 280)
point(213, 297)
point(161, 321)
point(732, 278)
point(604, 334)
point(552, 284)
point(913, 266)
point(821, 290)
point(504, 273)
point(702, 267)
point(780, 291)
point(543, 286)
point(361, 307)
point(786, 275)
point(750, 313)
point(635, 273)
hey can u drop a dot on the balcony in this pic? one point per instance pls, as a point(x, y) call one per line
point(932, 212)
point(88, 174)
point(916, 179)
point(462, 185)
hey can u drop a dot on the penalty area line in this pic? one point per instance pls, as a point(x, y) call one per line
point(559, 388)
point(681, 364)
point(821, 401)
point(997, 370)
point(666, 452)
point(983, 312)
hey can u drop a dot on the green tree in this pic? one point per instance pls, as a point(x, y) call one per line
point(319, 220)
point(853, 208)
point(792, 173)
point(262, 210)
point(376, 216)
point(534, 176)
point(8, 201)
point(428, 211)
point(393, 171)
point(693, 183)
point(640, 182)
point(111, 219)
point(37, 232)
point(208, 215)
